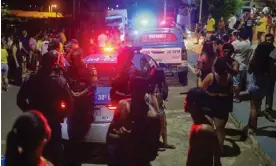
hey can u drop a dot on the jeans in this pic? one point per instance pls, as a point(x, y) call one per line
point(270, 93)
point(221, 32)
point(249, 32)
point(4, 68)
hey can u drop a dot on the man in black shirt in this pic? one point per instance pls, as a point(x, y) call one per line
point(48, 92)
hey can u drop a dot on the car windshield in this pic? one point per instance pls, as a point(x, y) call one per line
point(105, 74)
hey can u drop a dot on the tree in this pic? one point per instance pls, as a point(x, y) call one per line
point(4, 10)
point(220, 8)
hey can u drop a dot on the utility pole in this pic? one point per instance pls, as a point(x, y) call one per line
point(251, 3)
point(74, 9)
point(200, 10)
point(165, 9)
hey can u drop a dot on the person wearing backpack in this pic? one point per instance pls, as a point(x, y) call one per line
point(48, 92)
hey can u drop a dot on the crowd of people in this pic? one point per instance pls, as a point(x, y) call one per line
point(67, 92)
point(22, 53)
point(227, 66)
point(262, 22)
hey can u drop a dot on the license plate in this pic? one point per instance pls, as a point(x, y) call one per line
point(97, 112)
point(165, 55)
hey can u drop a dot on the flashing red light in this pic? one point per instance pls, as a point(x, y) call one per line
point(111, 107)
point(108, 49)
point(63, 105)
point(163, 22)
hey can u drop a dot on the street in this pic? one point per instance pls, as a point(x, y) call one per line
point(239, 153)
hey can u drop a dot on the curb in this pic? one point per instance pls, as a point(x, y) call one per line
point(253, 141)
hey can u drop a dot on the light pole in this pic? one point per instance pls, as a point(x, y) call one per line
point(200, 10)
point(165, 9)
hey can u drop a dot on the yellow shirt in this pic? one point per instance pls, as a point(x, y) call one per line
point(4, 56)
point(262, 25)
point(210, 24)
point(63, 37)
point(38, 45)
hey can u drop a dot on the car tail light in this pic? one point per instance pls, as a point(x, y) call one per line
point(184, 54)
point(111, 107)
point(62, 105)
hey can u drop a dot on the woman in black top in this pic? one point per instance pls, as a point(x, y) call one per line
point(219, 87)
point(258, 78)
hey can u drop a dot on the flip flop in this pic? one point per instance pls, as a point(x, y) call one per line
point(161, 149)
point(167, 146)
point(236, 100)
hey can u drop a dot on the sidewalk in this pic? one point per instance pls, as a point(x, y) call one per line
point(265, 139)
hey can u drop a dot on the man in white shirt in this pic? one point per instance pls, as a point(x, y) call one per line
point(242, 54)
point(102, 39)
point(44, 45)
point(253, 10)
point(231, 22)
point(266, 10)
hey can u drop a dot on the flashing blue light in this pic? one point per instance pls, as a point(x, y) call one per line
point(144, 22)
point(135, 32)
point(145, 19)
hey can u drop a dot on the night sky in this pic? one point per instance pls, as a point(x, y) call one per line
point(66, 5)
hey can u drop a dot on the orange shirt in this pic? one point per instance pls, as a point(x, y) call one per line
point(221, 24)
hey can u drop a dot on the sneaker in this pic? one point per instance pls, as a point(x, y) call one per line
point(246, 131)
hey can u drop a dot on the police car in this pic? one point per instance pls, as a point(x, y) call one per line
point(166, 46)
point(103, 110)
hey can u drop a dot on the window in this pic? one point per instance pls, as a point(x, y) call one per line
point(105, 72)
point(115, 20)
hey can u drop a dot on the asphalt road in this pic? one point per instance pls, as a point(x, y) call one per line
point(238, 152)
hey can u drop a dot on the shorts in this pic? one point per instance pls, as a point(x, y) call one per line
point(240, 78)
point(4, 68)
point(259, 35)
point(257, 86)
point(221, 110)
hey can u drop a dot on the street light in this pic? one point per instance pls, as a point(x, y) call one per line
point(53, 6)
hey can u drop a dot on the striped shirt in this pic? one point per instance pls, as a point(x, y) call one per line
point(249, 23)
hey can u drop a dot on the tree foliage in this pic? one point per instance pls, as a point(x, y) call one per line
point(220, 8)
point(4, 10)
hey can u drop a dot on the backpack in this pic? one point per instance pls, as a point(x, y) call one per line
point(66, 101)
point(272, 64)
